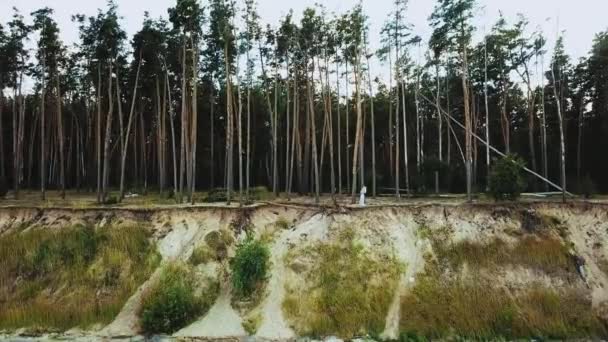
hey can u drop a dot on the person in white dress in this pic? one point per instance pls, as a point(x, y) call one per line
point(362, 196)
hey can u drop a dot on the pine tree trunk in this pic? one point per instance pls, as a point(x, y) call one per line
point(98, 133)
point(127, 134)
point(373, 126)
point(42, 135)
point(61, 140)
point(108, 137)
point(359, 129)
point(561, 134)
point(194, 126)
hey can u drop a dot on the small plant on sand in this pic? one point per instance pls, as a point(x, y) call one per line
point(249, 267)
point(174, 301)
point(506, 178)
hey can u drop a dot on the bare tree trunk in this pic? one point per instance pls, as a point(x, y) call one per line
point(108, 136)
point(373, 120)
point(98, 133)
point(61, 140)
point(2, 161)
point(183, 140)
point(543, 132)
point(439, 125)
point(313, 134)
point(127, 134)
point(194, 127)
point(468, 126)
point(359, 130)
point(579, 145)
point(287, 126)
point(339, 127)
point(561, 133)
point(240, 138)
point(348, 180)
point(405, 148)
point(229, 127)
point(42, 135)
point(487, 108)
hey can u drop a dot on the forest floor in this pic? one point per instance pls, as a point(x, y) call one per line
point(87, 200)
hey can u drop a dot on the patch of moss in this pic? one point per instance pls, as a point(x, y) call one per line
point(349, 291)
point(57, 279)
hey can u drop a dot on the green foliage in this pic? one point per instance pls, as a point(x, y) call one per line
point(249, 267)
point(350, 290)
point(174, 301)
point(506, 179)
point(73, 276)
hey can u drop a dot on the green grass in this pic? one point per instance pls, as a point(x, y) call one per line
point(176, 300)
point(56, 279)
point(441, 307)
point(349, 291)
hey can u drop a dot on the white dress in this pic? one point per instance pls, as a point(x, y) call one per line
point(362, 196)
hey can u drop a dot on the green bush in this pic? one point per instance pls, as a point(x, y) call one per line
point(506, 178)
point(249, 267)
point(172, 303)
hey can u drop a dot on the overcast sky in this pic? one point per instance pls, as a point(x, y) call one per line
point(580, 19)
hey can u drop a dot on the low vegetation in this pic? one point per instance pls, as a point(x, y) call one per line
point(250, 267)
point(57, 279)
point(215, 248)
point(440, 307)
point(176, 300)
point(546, 254)
point(348, 292)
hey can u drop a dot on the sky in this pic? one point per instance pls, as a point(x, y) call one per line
point(579, 19)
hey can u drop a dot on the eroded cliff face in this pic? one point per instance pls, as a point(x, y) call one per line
point(534, 270)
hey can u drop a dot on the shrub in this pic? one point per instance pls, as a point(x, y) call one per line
point(111, 200)
point(249, 267)
point(217, 195)
point(506, 179)
point(172, 303)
